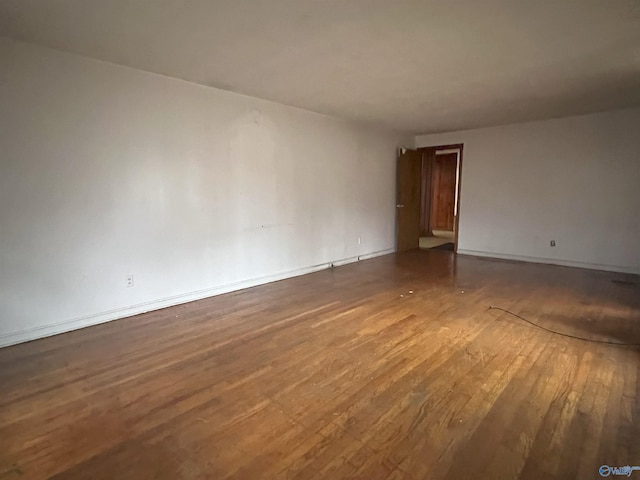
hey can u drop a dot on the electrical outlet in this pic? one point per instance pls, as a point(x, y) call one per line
point(552, 243)
point(129, 280)
point(359, 240)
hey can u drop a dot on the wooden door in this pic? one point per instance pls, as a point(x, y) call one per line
point(408, 198)
point(443, 191)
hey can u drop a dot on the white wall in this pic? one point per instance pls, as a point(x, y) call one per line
point(574, 180)
point(107, 171)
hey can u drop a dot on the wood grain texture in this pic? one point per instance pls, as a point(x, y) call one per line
point(443, 192)
point(391, 368)
point(408, 178)
point(428, 155)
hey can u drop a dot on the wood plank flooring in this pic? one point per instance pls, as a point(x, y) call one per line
point(391, 368)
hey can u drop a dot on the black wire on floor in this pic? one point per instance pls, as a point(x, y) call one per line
point(606, 342)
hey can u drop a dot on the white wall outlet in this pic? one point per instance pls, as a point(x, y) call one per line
point(359, 240)
point(129, 280)
point(552, 243)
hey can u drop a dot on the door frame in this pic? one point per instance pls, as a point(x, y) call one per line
point(428, 153)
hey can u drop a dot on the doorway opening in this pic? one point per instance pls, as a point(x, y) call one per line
point(428, 197)
point(440, 187)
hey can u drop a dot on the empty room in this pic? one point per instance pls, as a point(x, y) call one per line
point(300, 239)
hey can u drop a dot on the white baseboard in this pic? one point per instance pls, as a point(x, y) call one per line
point(29, 334)
point(552, 261)
point(367, 256)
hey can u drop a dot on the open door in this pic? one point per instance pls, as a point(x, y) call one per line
point(408, 196)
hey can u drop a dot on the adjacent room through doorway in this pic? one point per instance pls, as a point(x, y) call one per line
point(440, 186)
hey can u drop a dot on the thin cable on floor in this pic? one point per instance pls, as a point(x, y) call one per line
point(606, 342)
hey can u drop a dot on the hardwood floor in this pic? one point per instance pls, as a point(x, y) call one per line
point(392, 368)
